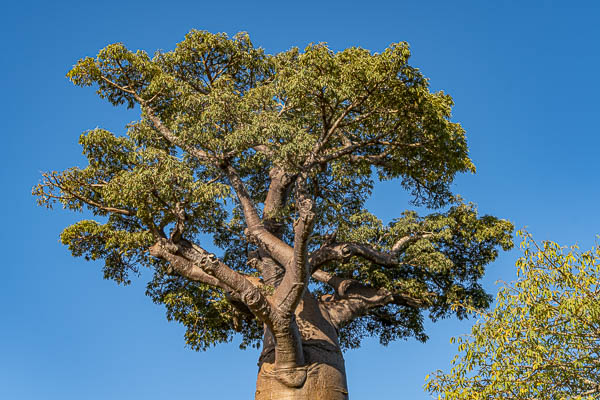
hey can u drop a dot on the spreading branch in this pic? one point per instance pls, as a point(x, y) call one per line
point(54, 181)
point(334, 251)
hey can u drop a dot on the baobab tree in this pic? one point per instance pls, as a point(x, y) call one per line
point(274, 157)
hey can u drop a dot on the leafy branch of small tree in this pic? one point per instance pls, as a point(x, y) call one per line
point(541, 340)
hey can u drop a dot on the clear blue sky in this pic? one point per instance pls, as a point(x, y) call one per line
point(525, 79)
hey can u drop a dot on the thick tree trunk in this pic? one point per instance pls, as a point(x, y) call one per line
point(321, 377)
point(323, 382)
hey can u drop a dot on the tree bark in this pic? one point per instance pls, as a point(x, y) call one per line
point(322, 376)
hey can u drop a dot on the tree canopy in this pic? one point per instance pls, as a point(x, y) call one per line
point(274, 157)
point(541, 340)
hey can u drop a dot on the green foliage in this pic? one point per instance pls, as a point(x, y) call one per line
point(542, 340)
point(226, 96)
point(123, 248)
point(346, 118)
point(205, 311)
point(441, 268)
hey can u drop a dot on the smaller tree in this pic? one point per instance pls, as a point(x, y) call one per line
point(541, 341)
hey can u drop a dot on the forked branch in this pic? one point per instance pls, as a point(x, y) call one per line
point(353, 299)
point(295, 280)
point(343, 251)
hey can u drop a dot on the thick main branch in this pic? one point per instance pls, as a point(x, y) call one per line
point(343, 251)
point(273, 245)
point(192, 260)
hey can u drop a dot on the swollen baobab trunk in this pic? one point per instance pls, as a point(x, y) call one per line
point(322, 375)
